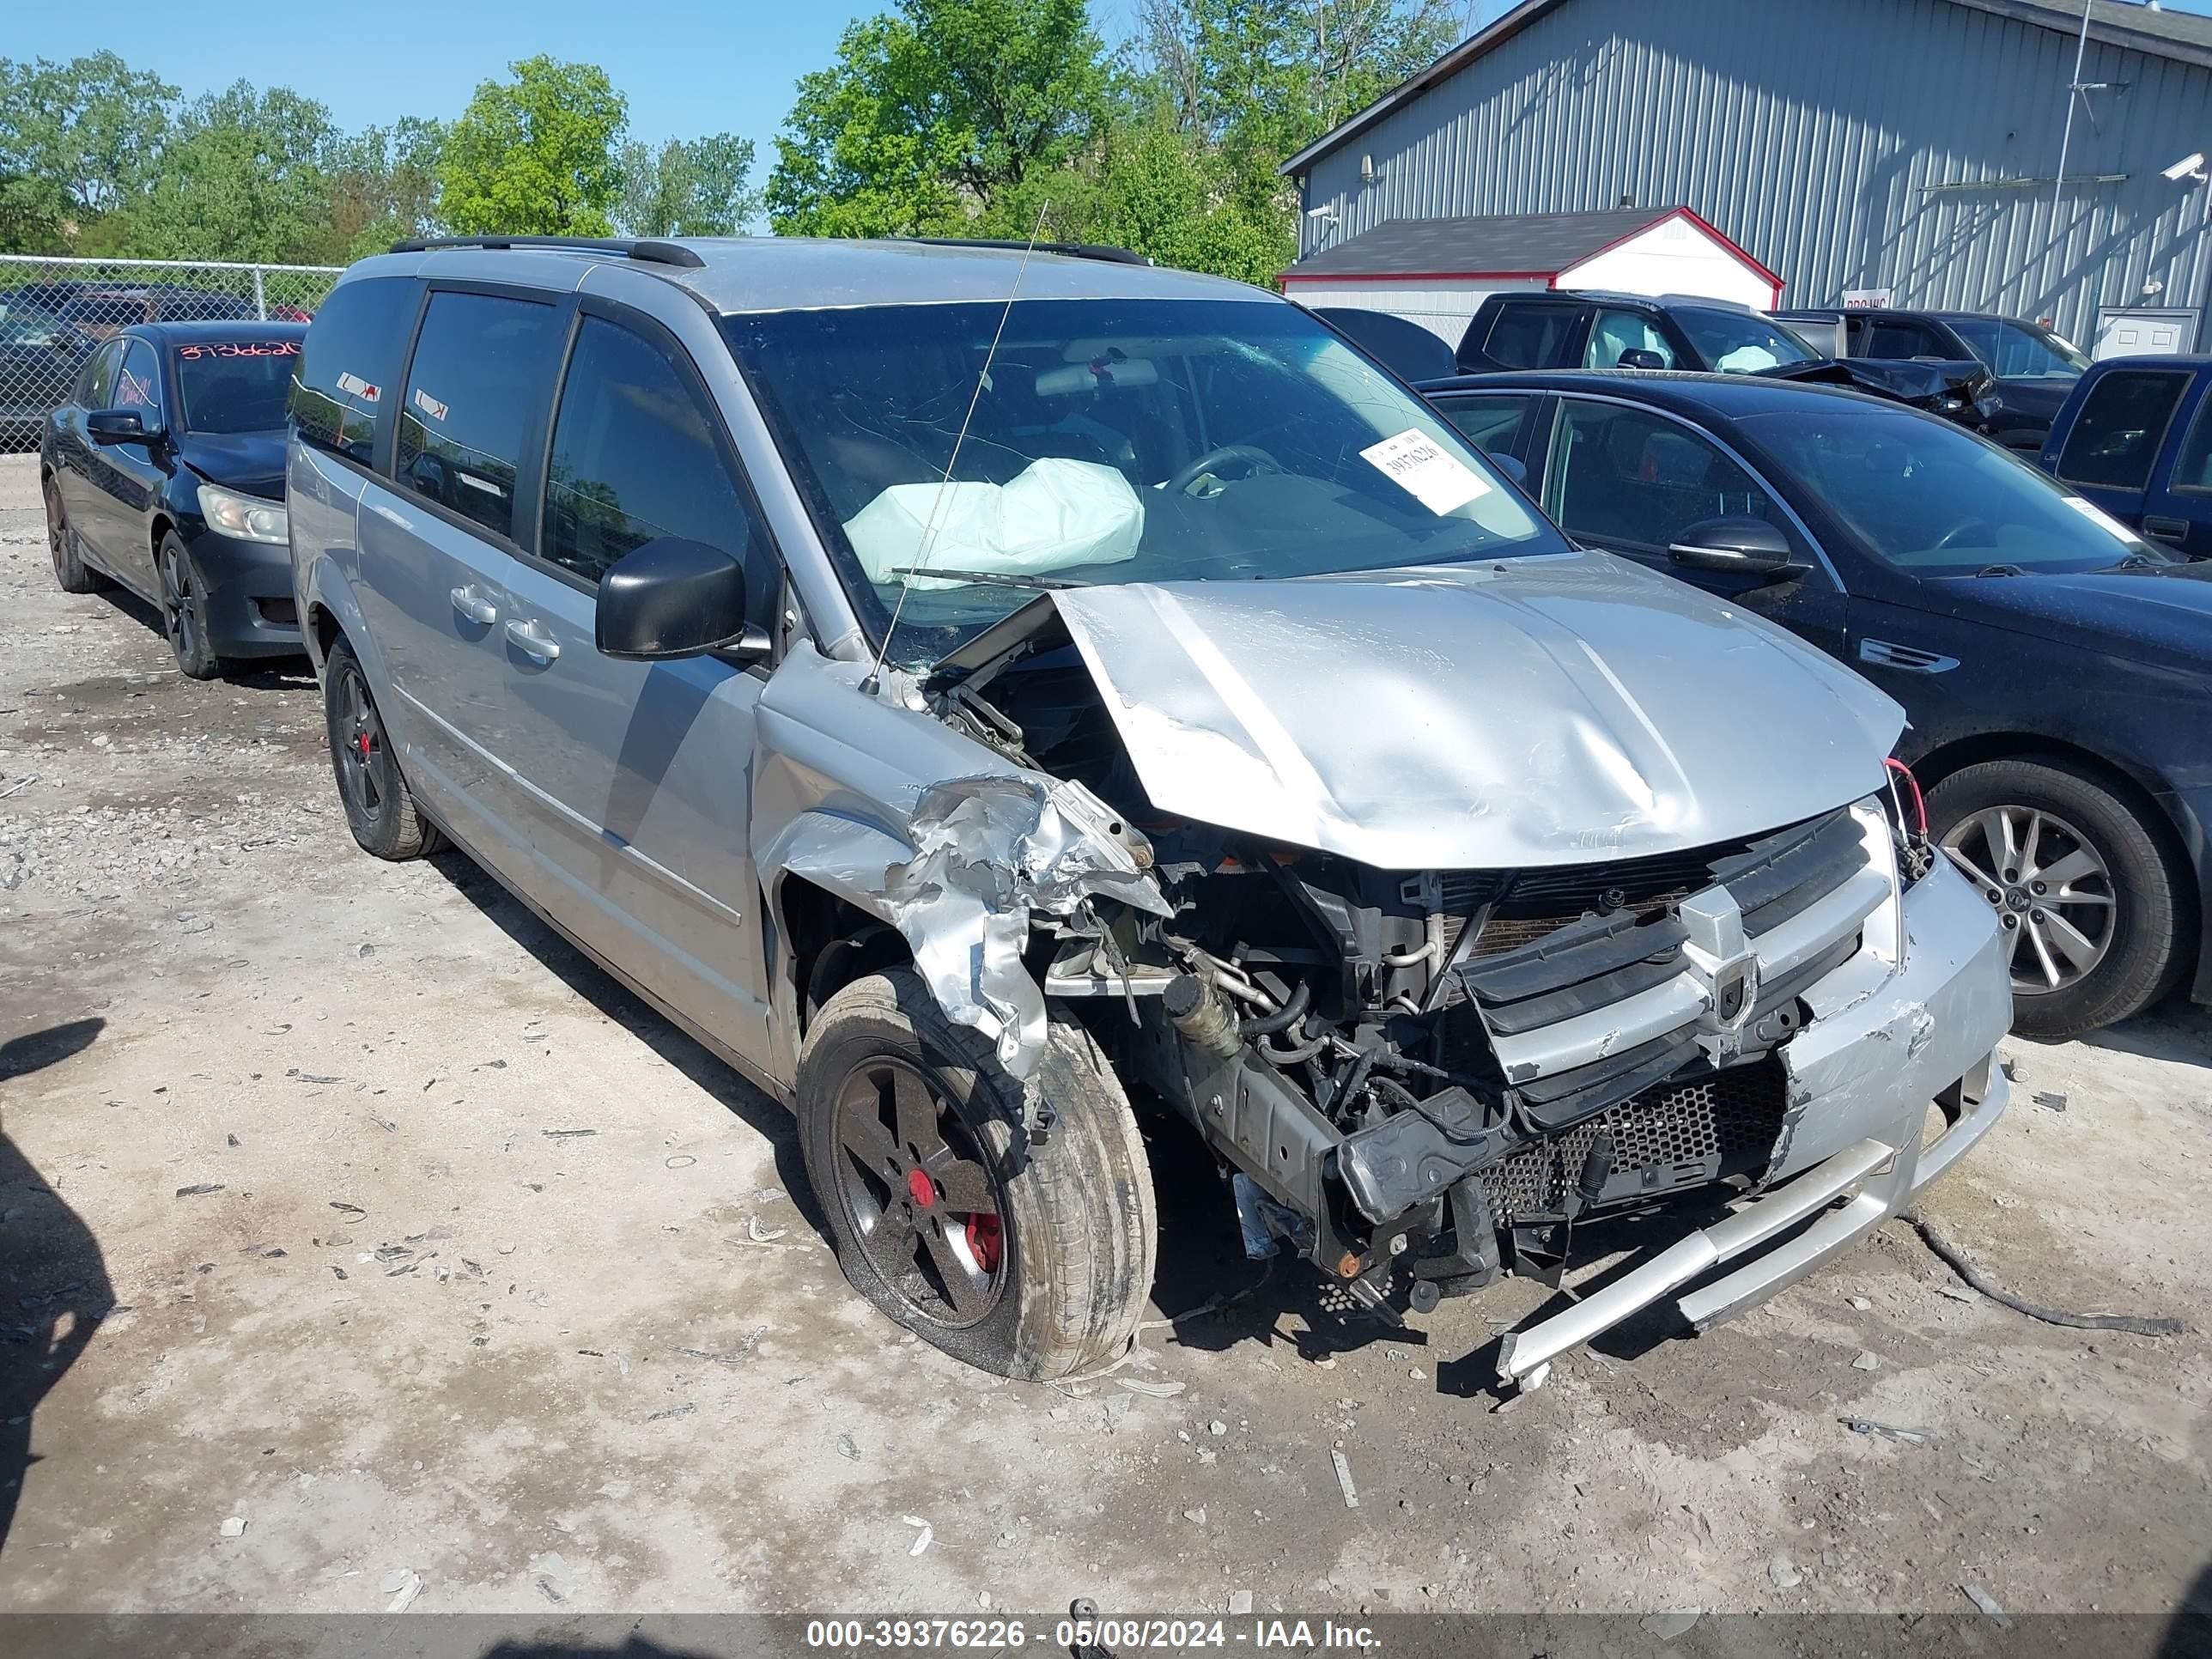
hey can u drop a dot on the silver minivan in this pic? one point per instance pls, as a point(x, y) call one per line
point(1039, 715)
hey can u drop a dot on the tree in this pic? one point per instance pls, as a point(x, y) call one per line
point(932, 111)
point(77, 140)
point(241, 177)
point(536, 155)
point(695, 188)
point(384, 187)
point(1258, 80)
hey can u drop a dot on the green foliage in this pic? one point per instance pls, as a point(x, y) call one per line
point(241, 176)
point(932, 112)
point(536, 155)
point(383, 185)
point(1258, 80)
point(76, 140)
point(970, 117)
point(686, 189)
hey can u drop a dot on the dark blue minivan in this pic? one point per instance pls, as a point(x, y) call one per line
point(2135, 438)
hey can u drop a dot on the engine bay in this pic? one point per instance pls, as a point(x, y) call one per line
point(1420, 1079)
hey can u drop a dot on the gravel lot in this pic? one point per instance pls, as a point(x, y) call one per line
point(343, 1199)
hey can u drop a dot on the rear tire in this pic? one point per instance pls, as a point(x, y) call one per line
point(2112, 906)
point(70, 571)
point(380, 807)
point(1057, 1279)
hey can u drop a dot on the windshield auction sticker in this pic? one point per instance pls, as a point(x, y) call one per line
point(1437, 479)
point(2103, 521)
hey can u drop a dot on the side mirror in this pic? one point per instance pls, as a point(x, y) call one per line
point(672, 598)
point(1745, 546)
point(1512, 465)
point(1639, 357)
point(117, 426)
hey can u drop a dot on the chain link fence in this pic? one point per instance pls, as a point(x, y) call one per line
point(55, 312)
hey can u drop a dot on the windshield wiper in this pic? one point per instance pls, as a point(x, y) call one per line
point(2141, 562)
point(989, 578)
point(2000, 570)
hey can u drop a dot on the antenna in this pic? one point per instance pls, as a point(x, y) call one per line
point(944, 483)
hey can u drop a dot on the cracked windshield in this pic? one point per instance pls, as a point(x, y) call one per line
point(1110, 441)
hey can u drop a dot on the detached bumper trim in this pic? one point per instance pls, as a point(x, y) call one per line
point(1866, 1183)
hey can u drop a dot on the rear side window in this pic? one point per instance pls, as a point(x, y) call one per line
point(342, 376)
point(635, 457)
point(476, 390)
point(1490, 423)
point(1530, 337)
point(98, 380)
point(2121, 426)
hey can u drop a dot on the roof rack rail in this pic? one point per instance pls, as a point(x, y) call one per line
point(1117, 256)
point(649, 251)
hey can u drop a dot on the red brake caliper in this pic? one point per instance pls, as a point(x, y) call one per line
point(985, 1242)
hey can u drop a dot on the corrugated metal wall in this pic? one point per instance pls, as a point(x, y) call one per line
point(1847, 144)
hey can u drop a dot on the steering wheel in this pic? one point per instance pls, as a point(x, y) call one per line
point(1255, 460)
point(1944, 542)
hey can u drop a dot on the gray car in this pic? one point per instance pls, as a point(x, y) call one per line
point(996, 698)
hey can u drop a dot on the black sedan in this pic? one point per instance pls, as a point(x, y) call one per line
point(164, 471)
point(2055, 667)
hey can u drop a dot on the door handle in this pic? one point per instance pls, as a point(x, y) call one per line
point(473, 605)
point(2165, 530)
point(532, 640)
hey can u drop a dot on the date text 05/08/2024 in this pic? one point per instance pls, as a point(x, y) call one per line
point(1086, 1636)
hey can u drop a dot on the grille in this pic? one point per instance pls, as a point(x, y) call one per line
point(1686, 1133)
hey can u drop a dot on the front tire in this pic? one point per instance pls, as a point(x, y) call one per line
point(2091, 908)
point(1031, 1263)
point(71, 574)
point(185, 610)
point(380, 807)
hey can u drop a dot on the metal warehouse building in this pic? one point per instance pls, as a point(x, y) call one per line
point(1851, 147)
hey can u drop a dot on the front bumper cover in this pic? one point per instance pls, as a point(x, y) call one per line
point(251, 611)
point(1882, 1046)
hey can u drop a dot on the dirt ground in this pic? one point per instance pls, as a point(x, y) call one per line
point(343, 1200)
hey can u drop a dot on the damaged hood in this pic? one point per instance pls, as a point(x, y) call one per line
point(1534, 711)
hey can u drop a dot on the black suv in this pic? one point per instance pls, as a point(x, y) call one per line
point(2032, 368)
point(1593, 330)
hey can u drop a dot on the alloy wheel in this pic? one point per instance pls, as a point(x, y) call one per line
point(2052, 888)
point(361, 746)
point(56, 528)
point(180, 605)
point(912, 1177)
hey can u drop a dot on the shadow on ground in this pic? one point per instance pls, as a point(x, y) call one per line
point(53, 1283)
point(2174, 1032)
point(247, 673)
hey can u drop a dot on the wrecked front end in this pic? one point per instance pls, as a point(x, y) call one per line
point(1424, 1075)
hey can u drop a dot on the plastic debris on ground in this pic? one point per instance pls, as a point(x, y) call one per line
point(1988, 1603)
point(1344, 1479)
point(1886, 1431)
point(403, 1585)
point(921, 1539)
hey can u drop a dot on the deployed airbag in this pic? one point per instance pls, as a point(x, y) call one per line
point(1053, 515)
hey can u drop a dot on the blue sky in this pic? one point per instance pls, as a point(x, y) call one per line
point(689, 67)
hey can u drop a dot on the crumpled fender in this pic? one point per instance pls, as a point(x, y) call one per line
point(957, 865)
point(984, 854)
